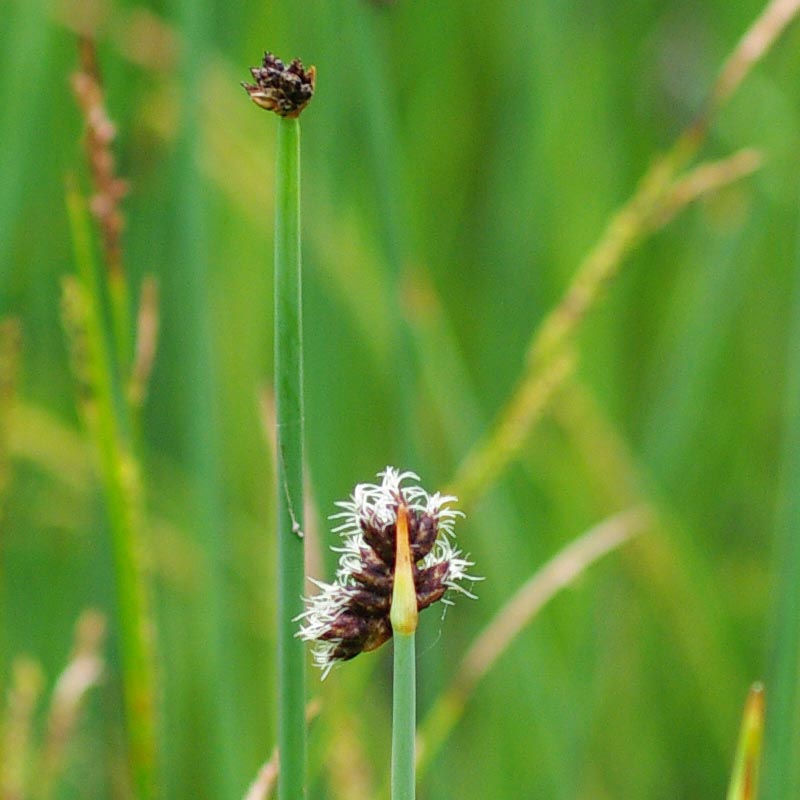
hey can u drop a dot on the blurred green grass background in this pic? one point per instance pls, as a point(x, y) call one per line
point(479, 148)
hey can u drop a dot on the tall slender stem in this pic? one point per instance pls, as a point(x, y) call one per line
point(289, 411)
point(403, 716)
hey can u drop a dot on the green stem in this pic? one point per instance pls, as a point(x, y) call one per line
point(289, 467)
point(403, 716)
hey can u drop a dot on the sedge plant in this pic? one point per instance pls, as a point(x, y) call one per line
point(394, 563)
point(286, 90)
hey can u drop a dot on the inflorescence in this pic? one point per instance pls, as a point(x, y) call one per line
point(351, 615)
point(286, 90)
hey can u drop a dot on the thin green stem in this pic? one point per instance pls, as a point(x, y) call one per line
point(403, 716)
point(289, 467)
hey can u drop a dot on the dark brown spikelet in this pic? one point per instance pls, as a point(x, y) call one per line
point(352, 615)
point(286, 90)
point(371, 592)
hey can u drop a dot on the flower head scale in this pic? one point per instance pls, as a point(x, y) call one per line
point(352, 614)
point(286, 90)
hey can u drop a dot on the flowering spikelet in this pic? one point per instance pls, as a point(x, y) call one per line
point(284, 89)
point(351, 615)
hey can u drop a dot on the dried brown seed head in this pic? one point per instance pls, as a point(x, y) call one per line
point(286, 90)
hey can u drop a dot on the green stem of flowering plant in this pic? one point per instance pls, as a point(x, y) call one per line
point(403, 716)
point(289, 467)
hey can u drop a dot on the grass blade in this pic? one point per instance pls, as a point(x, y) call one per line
point(404, 700)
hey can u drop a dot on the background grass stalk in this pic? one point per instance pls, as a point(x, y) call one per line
point(289, 466)
point(120, 477)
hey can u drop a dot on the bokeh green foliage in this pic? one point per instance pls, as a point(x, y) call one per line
point(458, 161)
